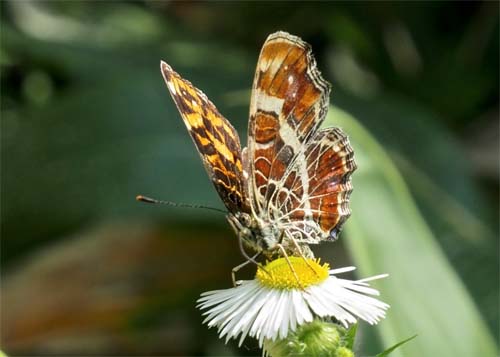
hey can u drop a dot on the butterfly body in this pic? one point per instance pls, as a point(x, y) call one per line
point(290, 186)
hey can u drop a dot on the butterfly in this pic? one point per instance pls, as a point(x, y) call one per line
point(290, 186)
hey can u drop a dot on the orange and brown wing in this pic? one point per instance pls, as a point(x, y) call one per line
point(318, 210)
point(289, 102)
point(292, 183)
point(216, 140)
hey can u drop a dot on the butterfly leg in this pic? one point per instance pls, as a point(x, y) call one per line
point(242, 233)
point(238, 267)
point(249, 258)
point(283, 251)
point(244, 253)
point(301, 253)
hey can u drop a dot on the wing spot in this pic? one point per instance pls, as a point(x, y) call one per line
point(172, 88)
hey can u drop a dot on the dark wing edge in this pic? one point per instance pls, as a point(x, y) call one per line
point(330, 166)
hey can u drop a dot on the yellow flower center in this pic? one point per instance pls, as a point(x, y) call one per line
point(278, 274)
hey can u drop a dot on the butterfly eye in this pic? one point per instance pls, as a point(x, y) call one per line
point(245, 220)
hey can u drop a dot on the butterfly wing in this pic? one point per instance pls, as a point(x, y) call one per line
point(215, 138)
point(289, 103)
point(318, 211)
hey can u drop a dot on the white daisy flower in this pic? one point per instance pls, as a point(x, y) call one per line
point(275, 303)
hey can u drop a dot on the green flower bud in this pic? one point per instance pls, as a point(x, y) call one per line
point(344, 352)
point(317, 339)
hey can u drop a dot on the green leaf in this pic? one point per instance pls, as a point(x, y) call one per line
point(444, 185)
point(392, 348)
point(387, 234)
point(349, 336)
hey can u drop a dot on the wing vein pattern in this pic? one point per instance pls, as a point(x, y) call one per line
point(299, 175)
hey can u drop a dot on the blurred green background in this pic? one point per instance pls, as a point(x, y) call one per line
point(87, 124)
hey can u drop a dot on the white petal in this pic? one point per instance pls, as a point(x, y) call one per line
point(376, 277)
point(251, 309)
point(341, 270)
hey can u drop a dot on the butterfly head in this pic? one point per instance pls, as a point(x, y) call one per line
point(256, 235)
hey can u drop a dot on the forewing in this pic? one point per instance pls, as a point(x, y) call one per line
point(318, 210)
point(216, 140)
point(289, 102)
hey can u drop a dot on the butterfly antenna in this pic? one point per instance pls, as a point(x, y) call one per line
point(175, 204)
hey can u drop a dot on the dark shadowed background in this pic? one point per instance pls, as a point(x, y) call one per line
point(87, 124)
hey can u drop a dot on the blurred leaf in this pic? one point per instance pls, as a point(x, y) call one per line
point(113, 25)
point(409, 130)
point(88, 154)
point(386, 234)
point(438, 174)
point(393, 348)
point(124, 288)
